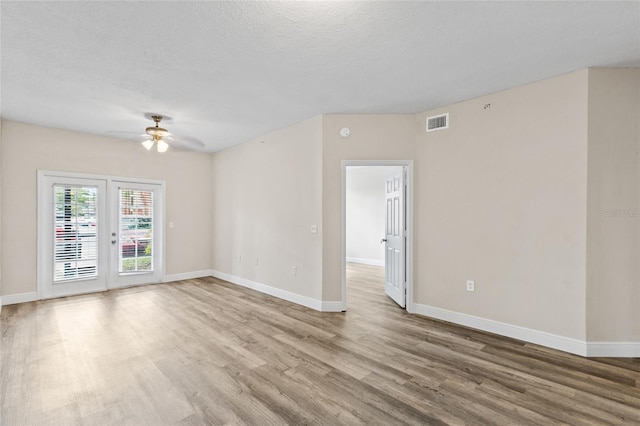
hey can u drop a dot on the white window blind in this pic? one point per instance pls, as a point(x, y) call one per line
point(136, 230)
point(75, 232)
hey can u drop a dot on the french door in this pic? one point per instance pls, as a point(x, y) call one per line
point(96, 233)
point(135, 233)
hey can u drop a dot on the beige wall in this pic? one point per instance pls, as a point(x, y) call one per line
point(502, 201)
point(27, 148)
point(613, 280)
point(266, 196)
point(1, 122)
point(373, 137)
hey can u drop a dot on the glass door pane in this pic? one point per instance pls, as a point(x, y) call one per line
point(75, 233)
point(73, 249)
point(135, 223)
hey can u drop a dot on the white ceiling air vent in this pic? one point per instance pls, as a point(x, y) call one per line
point(438, 122)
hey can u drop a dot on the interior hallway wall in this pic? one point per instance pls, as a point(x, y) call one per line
point(373, 137)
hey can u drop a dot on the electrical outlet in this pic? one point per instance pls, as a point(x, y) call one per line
point(471, 285)
point(294, 271)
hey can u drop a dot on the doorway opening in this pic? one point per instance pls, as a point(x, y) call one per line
point(377, 227)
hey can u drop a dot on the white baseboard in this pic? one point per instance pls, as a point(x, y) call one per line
point(187, 275)
point(309, 302)
point(373, 262)
point(333, 307)
point(12, 299)
point(613, 349)
point(566, 344)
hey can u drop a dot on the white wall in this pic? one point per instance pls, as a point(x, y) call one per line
point(613, 232)
point(502, 201)
point(373, 137)
point(28, 148)
point(365, 213)
point(267, 193)
point(1, 122)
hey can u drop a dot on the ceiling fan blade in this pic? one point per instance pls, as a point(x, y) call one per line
point(134, 136)
point(188, 143)
point(120, 134)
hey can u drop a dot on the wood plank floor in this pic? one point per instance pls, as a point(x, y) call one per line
point(205, 351)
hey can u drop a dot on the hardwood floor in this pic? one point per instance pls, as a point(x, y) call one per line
point(205, 351)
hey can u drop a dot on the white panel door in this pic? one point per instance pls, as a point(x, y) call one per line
point(135, 234)
point(395, 239)
point(72, 235)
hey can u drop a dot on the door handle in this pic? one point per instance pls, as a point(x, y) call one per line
point(382, 241)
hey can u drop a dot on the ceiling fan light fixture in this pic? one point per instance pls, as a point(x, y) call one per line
point(157, 132)
point(148, 144)
point(162, 146)
point(156, 136)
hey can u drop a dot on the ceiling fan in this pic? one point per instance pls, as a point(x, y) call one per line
point(160, 137)
point(156, 134)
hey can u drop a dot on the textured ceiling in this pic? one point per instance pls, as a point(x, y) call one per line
point(227, 72)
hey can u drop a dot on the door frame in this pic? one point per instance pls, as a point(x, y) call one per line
point(42, 255)
point(409, 223)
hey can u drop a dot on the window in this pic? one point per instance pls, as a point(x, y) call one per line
point(135, 222)
point(75, 232)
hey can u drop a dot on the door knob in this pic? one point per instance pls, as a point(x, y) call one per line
point(113, 241)
point(382, 241)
